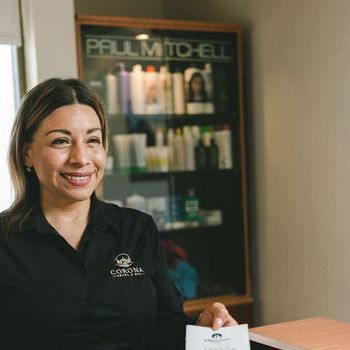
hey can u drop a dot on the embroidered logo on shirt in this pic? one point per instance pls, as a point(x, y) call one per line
point(124, 262)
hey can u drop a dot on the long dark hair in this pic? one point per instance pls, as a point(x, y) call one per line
point(202, 93)
point(37, 105)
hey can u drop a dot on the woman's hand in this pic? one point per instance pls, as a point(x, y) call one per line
point(216, 316)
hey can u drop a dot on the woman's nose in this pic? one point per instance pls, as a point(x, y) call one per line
point(79, 155)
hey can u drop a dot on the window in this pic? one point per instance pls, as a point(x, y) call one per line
point(9, 101)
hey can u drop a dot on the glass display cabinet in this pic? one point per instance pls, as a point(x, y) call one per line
point(173, 93)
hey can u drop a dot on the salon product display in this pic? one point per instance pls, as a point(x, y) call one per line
point(177, 151)
point(174, 212)
point(189, 148)
point(158, 91)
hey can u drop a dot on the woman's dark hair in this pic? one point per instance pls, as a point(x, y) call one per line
point(37, 105)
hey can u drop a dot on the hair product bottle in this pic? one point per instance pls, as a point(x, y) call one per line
point(136, 201)
point(122, 150)
point(179, 92)
point(179, 151)
point(213, 155)
point(139, 152)
point(196, 94)
point(170, 139)
point(152, 91)
point(226, 139)
point(109, 165)
point(112, 94)
point(191, 206)
point(189, 149)
point(123, 88)
point(200, 155)
point(208, 77)
point(137, 90)
point(166, 91)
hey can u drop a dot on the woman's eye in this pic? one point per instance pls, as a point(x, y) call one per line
point(60, 141)
point(94, 140)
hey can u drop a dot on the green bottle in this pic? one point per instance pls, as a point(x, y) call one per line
point(191, 204)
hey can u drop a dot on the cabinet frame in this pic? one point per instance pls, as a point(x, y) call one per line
point(195, 306)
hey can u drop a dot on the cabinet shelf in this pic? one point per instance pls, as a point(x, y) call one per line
point(175, 120)
point(201, 228)
point(166, 174)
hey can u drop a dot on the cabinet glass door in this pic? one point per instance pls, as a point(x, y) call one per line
point(172, 98)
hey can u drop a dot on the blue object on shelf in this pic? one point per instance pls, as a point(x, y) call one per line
point(185, 278)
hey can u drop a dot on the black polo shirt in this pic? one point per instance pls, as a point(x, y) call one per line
point(111, 293)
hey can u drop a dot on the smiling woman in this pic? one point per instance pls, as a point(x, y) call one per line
point(76, 272)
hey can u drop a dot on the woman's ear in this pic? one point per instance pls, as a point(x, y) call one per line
point(26, 154)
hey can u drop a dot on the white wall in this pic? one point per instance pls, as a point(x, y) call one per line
point(49, 40)
point(299, 87)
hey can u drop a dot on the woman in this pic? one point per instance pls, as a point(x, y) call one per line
point(197, 91)
point(78, 273)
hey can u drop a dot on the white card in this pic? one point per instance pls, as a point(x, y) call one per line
point(226, 338)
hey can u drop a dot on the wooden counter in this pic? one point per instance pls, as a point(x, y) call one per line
point(318, 333)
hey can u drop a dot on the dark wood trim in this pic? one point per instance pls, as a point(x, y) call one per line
point(149, 23)
point(79, 51)
point(243, 165)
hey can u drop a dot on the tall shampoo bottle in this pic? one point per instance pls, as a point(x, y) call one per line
point(179, 149)
point(166, 91)
point(209, 85)
point(226, 135)
point(137, 90)
point(112, 97)
point(189, 144)
point(171, 153)
point(179, 92)
point(152, 91)
point(123, 89)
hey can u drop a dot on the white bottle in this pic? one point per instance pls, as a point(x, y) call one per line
point(196, 133)
point(136, 201)
point(208, 78)
point(159, 138)
point(152, 91)
point(226, 140)
point(170, 139)
point(195, 89)
point(166, 92)
point(179, 151)
point(219, 142)
point(113, 106)
point(109, 164)
point(137, 90)
point(179, 93)
point(189, 149)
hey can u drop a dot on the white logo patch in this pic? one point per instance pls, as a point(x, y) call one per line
point(124, 262)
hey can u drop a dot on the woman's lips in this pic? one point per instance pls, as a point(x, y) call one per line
point(78, 179)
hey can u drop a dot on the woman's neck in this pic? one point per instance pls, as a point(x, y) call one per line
point(69, 220)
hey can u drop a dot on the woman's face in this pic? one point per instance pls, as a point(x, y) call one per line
point(197, 84)
point(67, 154)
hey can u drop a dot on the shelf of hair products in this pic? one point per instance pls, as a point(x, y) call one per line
point(151, 93)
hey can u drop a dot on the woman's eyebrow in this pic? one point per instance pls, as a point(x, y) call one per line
point(67, 132)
